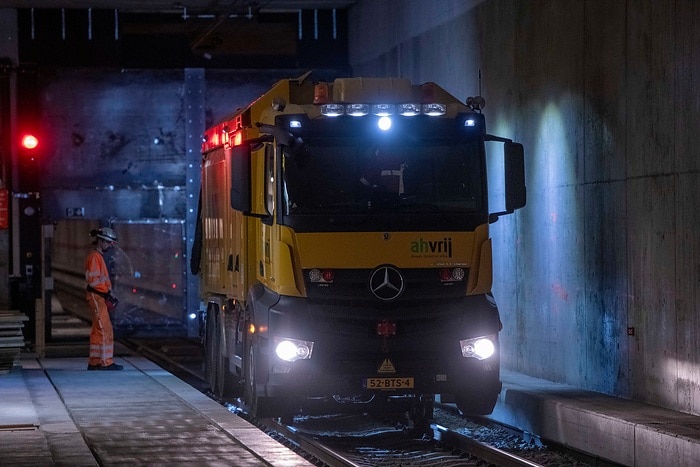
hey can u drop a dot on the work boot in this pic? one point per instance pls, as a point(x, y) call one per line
point(112, 367)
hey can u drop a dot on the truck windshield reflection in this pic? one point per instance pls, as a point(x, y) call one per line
point(331, 176)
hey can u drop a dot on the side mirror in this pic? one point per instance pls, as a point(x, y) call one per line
point(240, 178)
point(514, 172)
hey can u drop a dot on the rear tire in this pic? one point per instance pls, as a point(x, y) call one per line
point(211, 349)
point(228, 384)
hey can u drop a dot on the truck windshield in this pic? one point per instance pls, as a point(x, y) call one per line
point(327, 176)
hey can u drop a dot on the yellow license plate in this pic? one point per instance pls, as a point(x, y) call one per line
point(389, 383)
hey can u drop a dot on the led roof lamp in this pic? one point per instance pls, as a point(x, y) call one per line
point(383, 110)
point(408, 110)
point(434, 109)
point(332, 110)
point(357, 110)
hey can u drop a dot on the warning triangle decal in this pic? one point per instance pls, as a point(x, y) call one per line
point(386, 367)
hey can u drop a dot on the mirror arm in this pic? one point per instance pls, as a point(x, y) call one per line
point(497, 138)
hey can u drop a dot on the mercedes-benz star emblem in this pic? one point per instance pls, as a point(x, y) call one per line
point(386, 283)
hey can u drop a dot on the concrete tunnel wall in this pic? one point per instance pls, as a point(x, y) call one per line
point(598, 277)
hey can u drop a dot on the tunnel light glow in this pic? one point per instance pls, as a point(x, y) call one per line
point(384, 123)
point(193, 315)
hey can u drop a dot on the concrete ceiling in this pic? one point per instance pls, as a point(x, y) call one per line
point(180, 6)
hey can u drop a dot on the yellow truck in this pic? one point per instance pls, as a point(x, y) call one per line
point(343, 249)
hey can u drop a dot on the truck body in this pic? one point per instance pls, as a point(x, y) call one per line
point(343, 249)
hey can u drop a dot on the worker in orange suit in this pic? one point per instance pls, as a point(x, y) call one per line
point(100, 299)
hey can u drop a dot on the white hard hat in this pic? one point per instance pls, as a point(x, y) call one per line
point(105, 233)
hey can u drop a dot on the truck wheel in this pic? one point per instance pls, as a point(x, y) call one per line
point(259, 405)
point(251, 393)
point(211, 350)
point(228, 383)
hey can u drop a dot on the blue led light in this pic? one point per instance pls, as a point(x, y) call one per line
point(384, 123)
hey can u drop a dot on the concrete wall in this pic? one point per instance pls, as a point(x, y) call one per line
point(116, 139)
point(598, 278)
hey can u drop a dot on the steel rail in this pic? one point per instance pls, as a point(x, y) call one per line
point(321, 452)
point(483, 451)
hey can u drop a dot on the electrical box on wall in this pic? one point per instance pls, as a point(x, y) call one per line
point(75, 212)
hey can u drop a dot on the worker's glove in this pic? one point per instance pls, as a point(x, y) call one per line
point(111, 302)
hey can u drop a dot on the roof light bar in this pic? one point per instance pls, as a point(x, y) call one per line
point(332, 110)
point(434, 110)
point(357, 110)
point(383, 110)
point(408, 110)
point(386, 110)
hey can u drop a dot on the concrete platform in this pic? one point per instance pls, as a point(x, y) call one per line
point(618, 430)
point(55, 412)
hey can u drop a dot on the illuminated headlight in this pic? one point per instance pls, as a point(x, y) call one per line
point(469, 122)
point(357, 110)
point(408, 110)
point(332, 110)
point(478, 347)
point(434, 110)
point(294, 124)
point(291, 350)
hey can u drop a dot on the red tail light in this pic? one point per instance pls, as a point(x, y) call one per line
point(451, 274)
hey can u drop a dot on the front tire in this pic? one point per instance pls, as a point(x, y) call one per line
point(253, 400)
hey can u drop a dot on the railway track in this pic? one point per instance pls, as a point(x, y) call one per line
point(391, 446)
point(361, 440)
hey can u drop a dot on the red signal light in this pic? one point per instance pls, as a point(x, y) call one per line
point(328, 275)
point(29, 141)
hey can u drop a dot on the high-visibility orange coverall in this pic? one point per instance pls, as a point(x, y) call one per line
point(101, 336)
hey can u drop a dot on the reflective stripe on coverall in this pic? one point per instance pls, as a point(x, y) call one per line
point(101, 335)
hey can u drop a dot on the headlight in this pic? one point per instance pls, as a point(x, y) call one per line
point(478, 347)
point(291, 350)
